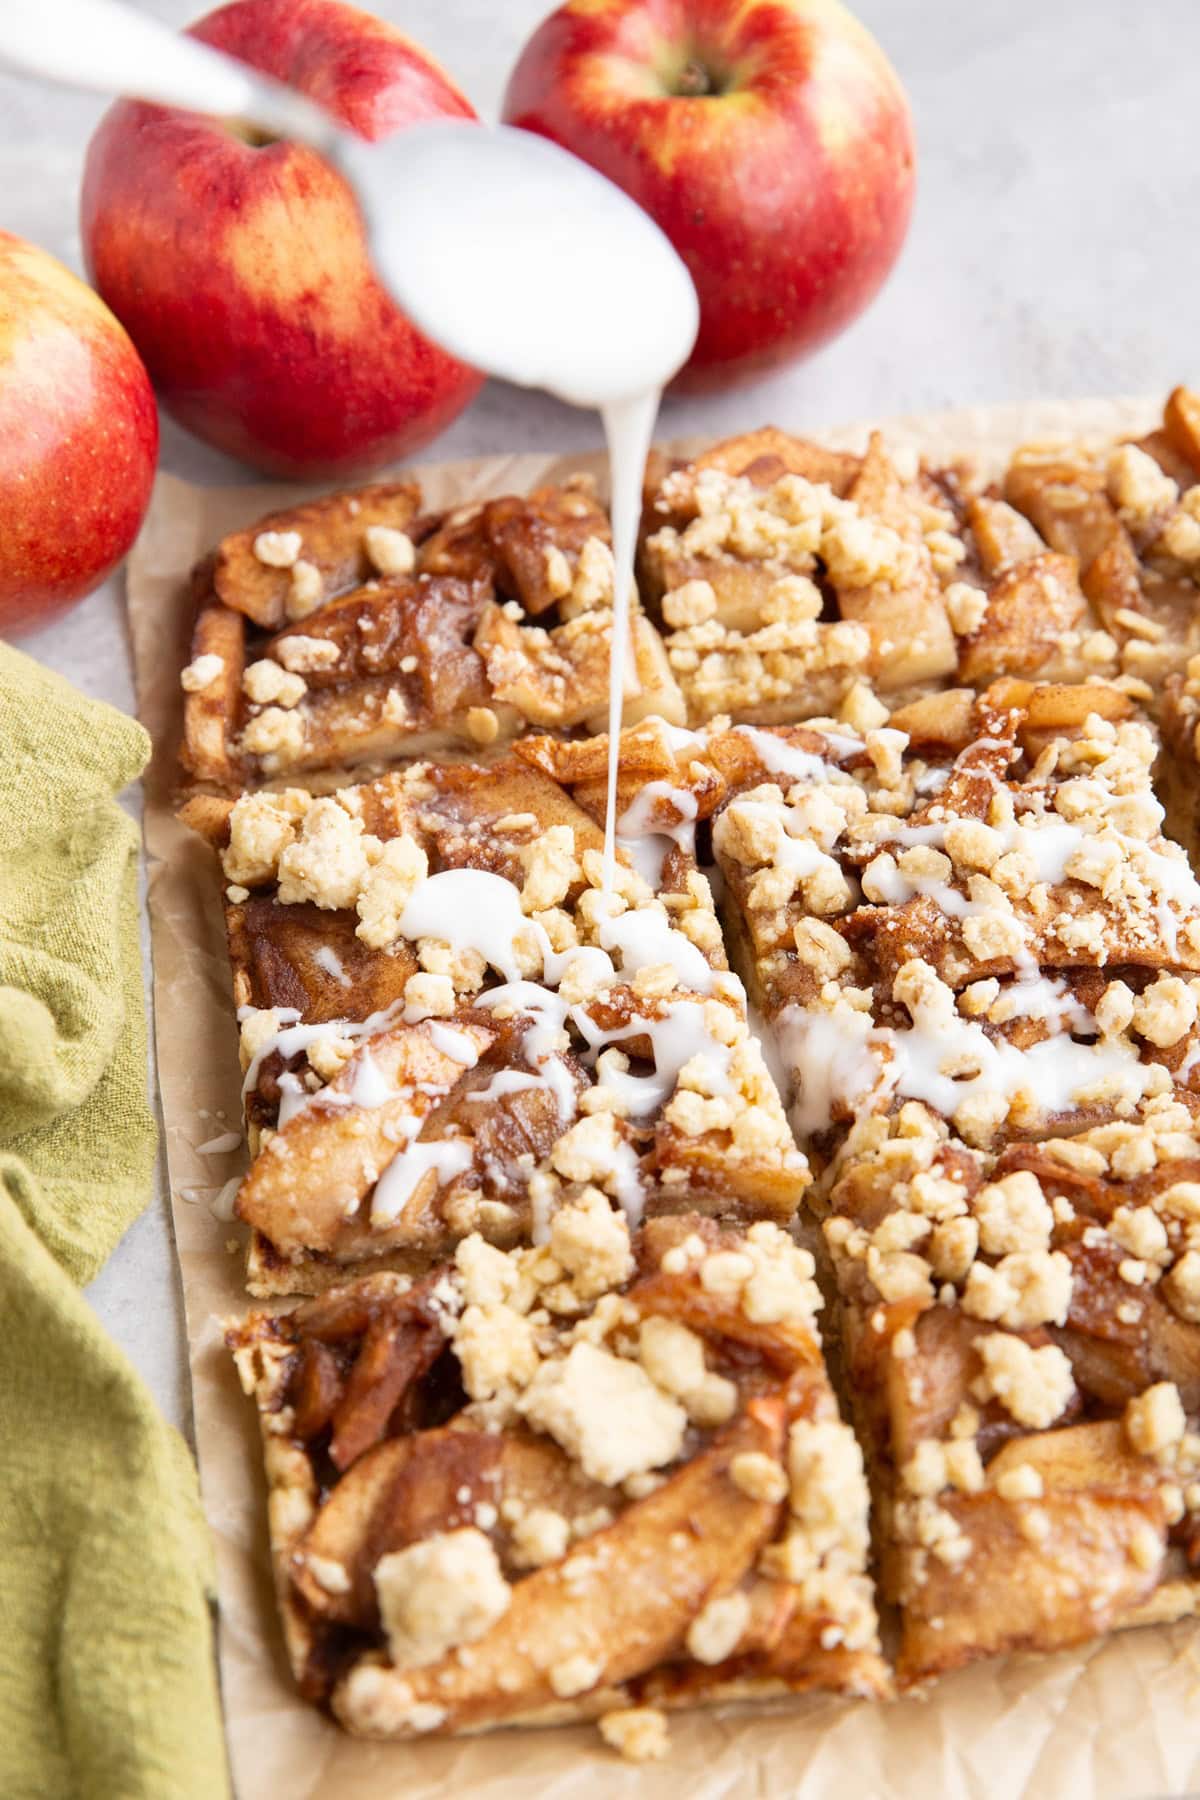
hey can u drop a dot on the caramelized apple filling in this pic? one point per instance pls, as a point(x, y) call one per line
point(605, 1472)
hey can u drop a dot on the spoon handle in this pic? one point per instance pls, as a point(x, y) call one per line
point(108, 48)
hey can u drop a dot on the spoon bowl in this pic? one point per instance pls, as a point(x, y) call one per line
point(520, 259)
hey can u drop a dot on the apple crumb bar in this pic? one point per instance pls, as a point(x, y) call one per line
point(354, 629)
point(442, 1021)
point(600, 1475)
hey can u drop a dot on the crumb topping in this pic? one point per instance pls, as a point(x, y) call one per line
point(278, 549)
point(638, 1733)
point(1034, 1386)
point(435, 1595)
point(202, 672)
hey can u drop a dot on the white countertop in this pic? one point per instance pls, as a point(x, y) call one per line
point(1054, 252)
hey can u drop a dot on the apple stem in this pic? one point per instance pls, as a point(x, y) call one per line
point(250, 134)
point(693, 80)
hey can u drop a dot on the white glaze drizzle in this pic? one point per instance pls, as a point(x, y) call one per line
point(646, 839)
point(842, 1060)
point(675, 1038)
point(628, 426)
point(782, 758)
point(292, 1038)
point(541, 1045)
point(220, 1145)
point(370, 1087)
point(329, 960)
point(459, 1046)
point(644, 938)
point(473, 910)
point(447, 1157)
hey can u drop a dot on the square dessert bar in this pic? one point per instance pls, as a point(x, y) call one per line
point(589, 1479)
point(781, 574)
point(981, 958)
point(443, 1020)
point(356, 629)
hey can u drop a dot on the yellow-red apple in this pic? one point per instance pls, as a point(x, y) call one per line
point(770, 139)
point(240, 267)
point(78, 438)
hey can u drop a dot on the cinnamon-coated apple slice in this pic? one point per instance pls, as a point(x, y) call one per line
point(254, 568)
point(1095, 1454)
point(911, 639)
point(377, 628)
point(1066, 500)
point(305, 957)
point(943, 722)
point(1002, 535)
point(1181, 421)
point(469, 800)
point(641, 1583)
point(657, 693)
point(527, 546)
point(408, 1488)
point(1056, 706)
point(1030, 607)
point(763, 456)
point(383, 716)
point(394, 1353)
point(689, 788)
point(1088, 1559)
point(315, 1172)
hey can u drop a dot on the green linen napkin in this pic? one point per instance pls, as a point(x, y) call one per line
point(107, 1688)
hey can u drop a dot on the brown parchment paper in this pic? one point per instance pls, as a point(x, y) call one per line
point(1119, 1719)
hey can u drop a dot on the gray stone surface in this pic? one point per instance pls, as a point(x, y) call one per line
point(1054, 251)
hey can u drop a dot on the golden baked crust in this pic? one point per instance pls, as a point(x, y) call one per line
point(559, 1482)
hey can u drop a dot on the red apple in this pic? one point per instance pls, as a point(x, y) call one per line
point(78, 438)
point(770, 139)
point(240, 266)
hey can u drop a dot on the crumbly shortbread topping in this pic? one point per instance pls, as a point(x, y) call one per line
point(1155, 1421)
point(438, 1594)
point(202, 672)
point(1035, 1386)
point(302, 655)
point(266, 683)
point(391, 552)
point(606, 1413)
point(639, 1733)
point(278, 549)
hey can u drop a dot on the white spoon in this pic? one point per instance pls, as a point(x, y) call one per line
point(514, 255)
